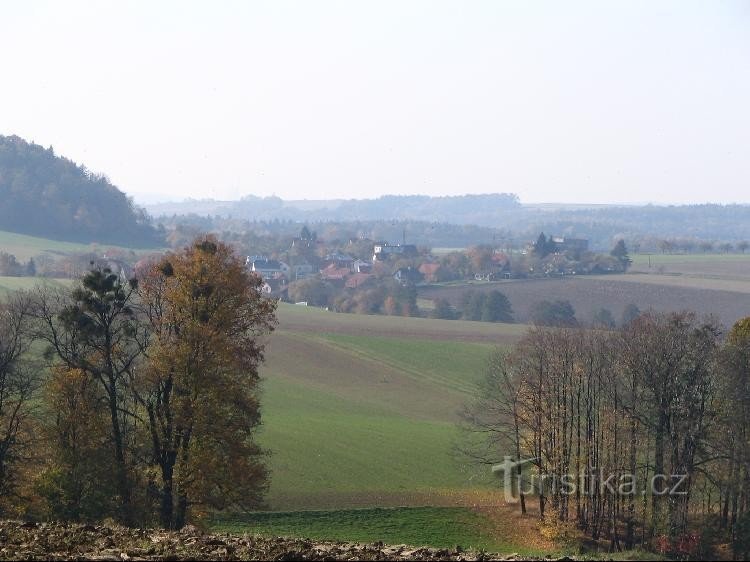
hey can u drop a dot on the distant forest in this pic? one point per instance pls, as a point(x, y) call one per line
point(472, 219)
point(45, 195)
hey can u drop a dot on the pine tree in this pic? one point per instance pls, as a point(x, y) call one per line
point(620, 252)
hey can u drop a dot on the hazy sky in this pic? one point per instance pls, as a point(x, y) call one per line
point(560, 101)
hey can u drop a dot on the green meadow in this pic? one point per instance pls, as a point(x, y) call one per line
point(364, 420)
point(25, 247)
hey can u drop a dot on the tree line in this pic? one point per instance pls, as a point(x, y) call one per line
point(661, 405)
point(137, 399)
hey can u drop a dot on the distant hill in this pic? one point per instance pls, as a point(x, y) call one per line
point(483, 209)
point(642, 226)
point(42, 194)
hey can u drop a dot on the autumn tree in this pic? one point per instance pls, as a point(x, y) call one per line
point(93, 330)
point(312, 290)
point(443, 309)
point(200, 386)
point(76, 481)
point(18, 381)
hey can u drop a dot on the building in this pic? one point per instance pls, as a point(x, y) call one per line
point(301, 271)
point(357, 280)
point(408, 275)
point(564, 244)
point(274, 288)
point(267, 269)
point(338, 259)
point(361, 266)
point(333, 273)
point(383, 250)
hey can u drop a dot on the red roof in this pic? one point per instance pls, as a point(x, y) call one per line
point(429, 268)
point(358, 279)
point(333, 272)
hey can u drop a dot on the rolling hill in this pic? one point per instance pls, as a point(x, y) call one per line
point(361, 411)
point(47, 195)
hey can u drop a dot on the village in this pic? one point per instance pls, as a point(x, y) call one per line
point(310, 262)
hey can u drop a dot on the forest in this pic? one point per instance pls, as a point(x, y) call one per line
point(639, 436)
point(49, 196)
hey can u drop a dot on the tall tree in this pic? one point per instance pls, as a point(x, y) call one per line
point(18, 380)
point(541, 246)
point(93, 329)
point(497, 308)
point(207, 317)
point(620, 252)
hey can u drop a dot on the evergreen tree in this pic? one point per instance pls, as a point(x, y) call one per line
point(541, 246)
point(472, 305)
point(620, 252)
point(497, 308)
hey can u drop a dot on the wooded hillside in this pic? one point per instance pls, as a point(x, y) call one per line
point(53, 197)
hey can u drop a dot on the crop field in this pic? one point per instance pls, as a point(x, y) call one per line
point(361, 411)
point(714, 265)
point(360, 414)
point(708, 284)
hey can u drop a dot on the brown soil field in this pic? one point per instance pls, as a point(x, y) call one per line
point(56, 541)
point(588, 294)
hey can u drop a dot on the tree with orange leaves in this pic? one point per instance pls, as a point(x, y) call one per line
point(199, 388)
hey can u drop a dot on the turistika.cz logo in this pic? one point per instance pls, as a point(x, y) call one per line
point(592, 482)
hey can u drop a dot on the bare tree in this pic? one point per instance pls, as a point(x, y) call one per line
point(18, 380)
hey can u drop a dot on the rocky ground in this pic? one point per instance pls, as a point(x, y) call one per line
point(54, 541)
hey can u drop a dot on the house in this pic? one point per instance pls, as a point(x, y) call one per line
point(498, 267)
point(383, 250)
point(430, 271)
point(274, 287)
point(563, 244)
point(267, 269)
point(489, 275)
point(301, 270)
point(361, 266)
point(338, 259)
point(408, 275)
point(358, 280)
point(333, 273)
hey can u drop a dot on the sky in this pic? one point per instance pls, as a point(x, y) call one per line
point(586, 102)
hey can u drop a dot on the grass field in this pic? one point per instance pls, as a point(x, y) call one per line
point(9, 284)
point(361, 411)
point(25, 247)
point(360, 415)
point(442, 527)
